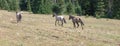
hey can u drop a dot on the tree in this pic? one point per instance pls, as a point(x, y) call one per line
point(115, 9)
point(109, 12)
point(85, 6)
point(45, 7)
point(100, 10)
point(4, 4)
point(96, 8)
point(78, 9)
point(35, 6)
point(70, 8)
point(42, 6)
point(29, 5)
point(17, 7)
point(56, 9)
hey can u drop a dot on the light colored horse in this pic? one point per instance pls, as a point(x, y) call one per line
point(59, 18)
point(18, 16)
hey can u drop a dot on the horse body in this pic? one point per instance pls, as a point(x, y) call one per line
point(59, 18)
point(18, 16)
point(76, 20)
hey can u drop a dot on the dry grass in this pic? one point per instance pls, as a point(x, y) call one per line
point(39, 30)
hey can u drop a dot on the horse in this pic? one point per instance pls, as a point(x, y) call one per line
point(76, 20)
point(59, 18)
point(18, 16)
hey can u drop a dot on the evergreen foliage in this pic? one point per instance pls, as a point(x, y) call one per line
point(96, 8)
point(70, 8)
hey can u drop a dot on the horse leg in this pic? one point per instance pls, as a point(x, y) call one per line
point(55, 22)
point(81, 25)
point(58, 23)
point(74, 24)
point(17, 18)
point(77, 24)
point(20, 18)
point(61, 23)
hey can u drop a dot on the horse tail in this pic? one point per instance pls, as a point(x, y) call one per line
point(64, 20)
point(81, 22)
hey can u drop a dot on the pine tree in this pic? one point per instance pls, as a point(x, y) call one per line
point(61, 4)
point(100, 12)
point(56, 9)
point(29, 5)
point(17, 8)
point(4, 4)
point(35, 6)
point(78, 10)
point(116, 9)
point(70, 8)
point(85, 6)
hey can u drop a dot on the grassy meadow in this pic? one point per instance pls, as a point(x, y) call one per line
point(40, 30)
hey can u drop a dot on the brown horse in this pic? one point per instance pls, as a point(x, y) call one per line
point(59, 18)
point(76, 20)
point(18, 16)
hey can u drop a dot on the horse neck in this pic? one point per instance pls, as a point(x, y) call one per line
point(18, 13)
point(55, 16)
point(72, 17)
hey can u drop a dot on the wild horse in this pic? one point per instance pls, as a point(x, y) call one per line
point(18, 16)
point(76, 20)
point(59, 18)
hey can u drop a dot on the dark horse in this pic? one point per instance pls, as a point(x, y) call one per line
point(59, 18)
point(18, 16)
point(76, 20)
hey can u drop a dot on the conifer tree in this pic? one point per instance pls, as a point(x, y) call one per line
point(100, 11)
point(29, 5)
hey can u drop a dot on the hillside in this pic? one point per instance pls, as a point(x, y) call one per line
point(39, 30)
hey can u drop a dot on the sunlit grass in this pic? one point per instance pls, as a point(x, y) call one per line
point(40, 30)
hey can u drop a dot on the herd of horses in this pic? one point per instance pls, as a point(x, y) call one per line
point(75, 19)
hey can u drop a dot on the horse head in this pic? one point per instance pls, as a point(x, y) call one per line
point(16, 12)
point(54, 14)
point(70, 17)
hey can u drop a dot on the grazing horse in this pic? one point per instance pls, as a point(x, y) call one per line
point(76, 20)
point(18, 16)
point(59, 18)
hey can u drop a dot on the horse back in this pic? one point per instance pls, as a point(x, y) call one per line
point(19, 16)
point(59, 17)
point(76, 19)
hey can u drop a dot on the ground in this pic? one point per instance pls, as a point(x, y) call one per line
point(40, 30)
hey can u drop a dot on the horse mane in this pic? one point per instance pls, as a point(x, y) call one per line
point(71, 16)
point(55, 14)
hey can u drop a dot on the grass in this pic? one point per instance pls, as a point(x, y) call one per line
point(39, 30)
